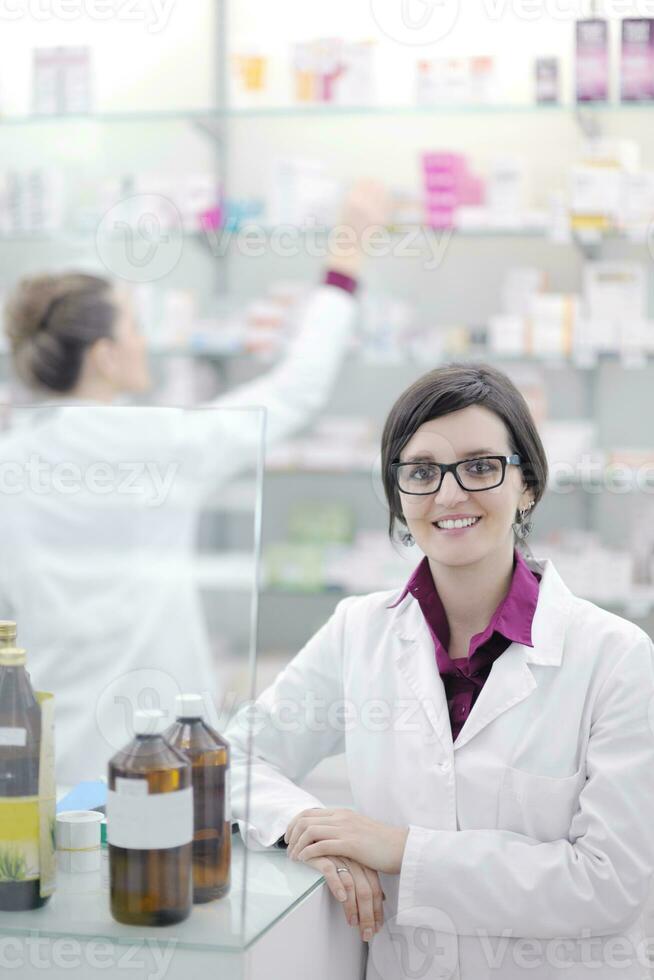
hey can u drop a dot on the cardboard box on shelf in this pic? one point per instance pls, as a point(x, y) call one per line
point(592, 60)
point(615, 291)
point(637, 62)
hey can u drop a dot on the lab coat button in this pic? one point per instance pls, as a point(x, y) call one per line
point(445, 766)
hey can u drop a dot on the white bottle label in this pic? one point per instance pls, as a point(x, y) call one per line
point(131, 787)
point(144, 822)
point(13, 736)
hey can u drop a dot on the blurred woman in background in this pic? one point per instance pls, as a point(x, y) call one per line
point(102, 582)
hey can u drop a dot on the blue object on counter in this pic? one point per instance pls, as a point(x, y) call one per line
point(84, 796)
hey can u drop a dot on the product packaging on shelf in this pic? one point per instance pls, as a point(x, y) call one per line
point(547, 81)
point(463, 81)
point(334, 71)
point(595, 197)
point(303, 194)
point(506, 192)
point(32, 202)
point(449, 186)
point(615, 291)
point(637, 62)
point(592, 60)
point(27, 783)
point(61, 81)
point(250, 68)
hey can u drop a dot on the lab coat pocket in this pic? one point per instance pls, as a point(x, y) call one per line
point(541, 807)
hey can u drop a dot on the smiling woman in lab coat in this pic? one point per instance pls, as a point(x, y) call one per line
point(497, 728)
point(103, 585)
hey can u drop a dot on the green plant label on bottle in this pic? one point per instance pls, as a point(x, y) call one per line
point(19, 839)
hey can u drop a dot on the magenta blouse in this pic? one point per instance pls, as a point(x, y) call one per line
point(511, 622)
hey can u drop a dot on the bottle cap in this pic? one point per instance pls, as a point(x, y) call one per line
point(12, 656)
point(7, 630)
point(189, 706)
point(77, 837)
point(149, 722)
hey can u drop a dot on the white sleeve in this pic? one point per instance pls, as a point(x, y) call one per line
point(292, 392)
point(598, 880)
point(292, 726)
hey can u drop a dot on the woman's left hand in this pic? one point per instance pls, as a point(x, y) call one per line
point(324, 833)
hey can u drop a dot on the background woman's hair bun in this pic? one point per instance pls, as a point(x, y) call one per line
point(51, 320)
point(28, 307)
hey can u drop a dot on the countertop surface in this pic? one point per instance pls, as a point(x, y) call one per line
point(264, 886)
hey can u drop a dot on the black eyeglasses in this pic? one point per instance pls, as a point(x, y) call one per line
point(480, 473)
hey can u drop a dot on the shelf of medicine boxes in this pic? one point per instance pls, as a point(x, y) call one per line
point(583, 361)
point(318, 110)
point(235, 573)
point(636, 235)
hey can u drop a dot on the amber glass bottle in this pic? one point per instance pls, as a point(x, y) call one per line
point(20, 742)
point(208, 753)
point(150, 828)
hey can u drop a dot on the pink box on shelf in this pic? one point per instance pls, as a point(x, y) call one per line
point(472, 190)
point(446, 198)
point(637, 68)
point(444, 162)
point(436, 180)
point(440, 217)
point(592, 56)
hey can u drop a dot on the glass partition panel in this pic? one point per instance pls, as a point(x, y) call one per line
point(130, 566)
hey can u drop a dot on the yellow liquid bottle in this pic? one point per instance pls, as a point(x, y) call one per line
point(20, 743)
point(150, 828)
point(208, 754)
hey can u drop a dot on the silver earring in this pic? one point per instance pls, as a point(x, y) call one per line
point(522, 526)
point(408, 539)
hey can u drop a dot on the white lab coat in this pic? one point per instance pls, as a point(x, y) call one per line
point(103, 586)
point(530, 837)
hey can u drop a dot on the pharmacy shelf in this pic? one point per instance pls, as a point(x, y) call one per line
point(235, 571)
point(553, 362)
point(639, 604)
point(636, 236)
point(199, 351)
point(131, 116)
point(317, 111)
point(228, 238)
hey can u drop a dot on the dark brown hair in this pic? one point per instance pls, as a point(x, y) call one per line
point(448, 389)
point(51, 321)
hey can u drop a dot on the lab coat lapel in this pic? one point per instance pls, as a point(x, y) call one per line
point(416, 659)
point(509, 682)
point(511, 679)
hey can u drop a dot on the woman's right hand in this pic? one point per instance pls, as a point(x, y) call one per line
point(367, 205)
point(364, 896)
